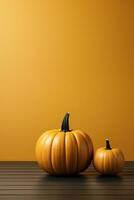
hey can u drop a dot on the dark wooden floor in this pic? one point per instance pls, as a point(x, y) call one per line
point(25, 180)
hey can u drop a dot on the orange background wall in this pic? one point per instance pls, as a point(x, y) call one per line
point(58, 56)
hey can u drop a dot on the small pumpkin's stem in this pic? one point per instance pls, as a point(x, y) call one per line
point(65, 123)
point(108, 147)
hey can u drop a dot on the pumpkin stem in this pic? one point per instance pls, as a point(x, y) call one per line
point(65, 123)
point(108, 147)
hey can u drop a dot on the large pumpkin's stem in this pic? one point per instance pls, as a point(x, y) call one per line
point(108, 147)
point(65, 123)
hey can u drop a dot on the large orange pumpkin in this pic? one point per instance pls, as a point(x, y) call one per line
point(64, 151)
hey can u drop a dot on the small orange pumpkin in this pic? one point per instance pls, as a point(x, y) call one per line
point(107, 160)
point(64, 151)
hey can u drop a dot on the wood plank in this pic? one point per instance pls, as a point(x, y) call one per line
point(25, 180)
point(67, 192)
point(92, 197)
point(103, 184)
point(64, 187)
